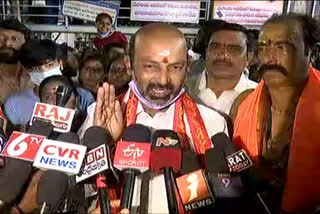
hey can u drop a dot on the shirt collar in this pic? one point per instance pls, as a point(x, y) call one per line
point(240, 86)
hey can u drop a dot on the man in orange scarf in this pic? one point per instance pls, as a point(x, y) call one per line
point(156, 99)
point(278, 123)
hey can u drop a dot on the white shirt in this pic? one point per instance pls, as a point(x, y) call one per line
point(226, 99)
point(213, 121)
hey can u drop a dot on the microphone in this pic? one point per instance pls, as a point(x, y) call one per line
point(132, 157)
point(96, 137)
point(3, 140)
point(228, 188)
point(63, 94)
point(166, 158)
point(13, 176)
point(40, 127)
point(52, 189)
point(69, 137)
point(193, 187)
point(239, 161)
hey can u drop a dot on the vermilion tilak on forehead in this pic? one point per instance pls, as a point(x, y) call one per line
point(165, 60)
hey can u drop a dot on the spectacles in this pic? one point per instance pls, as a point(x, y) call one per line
point(234, 50)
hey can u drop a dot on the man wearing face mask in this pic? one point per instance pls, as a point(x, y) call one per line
point(156, 98)
point(72, 99)
point(13, 78)
point(42, 58)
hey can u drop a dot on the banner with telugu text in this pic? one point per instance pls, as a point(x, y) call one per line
point(165, 11)
point(89, 9)
point(246, 12)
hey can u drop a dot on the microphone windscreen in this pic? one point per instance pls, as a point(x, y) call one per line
point(63, 94)
point(13, 176)
point(166, 151)
point(69, 137)
point(231, 148)
point(96, 136)
point(216, 161)
point(136, 133)
point(164, 138)
point(3, 139)
point(52, 188)
point(220, 141)
point(40, 127)
point(189, 162)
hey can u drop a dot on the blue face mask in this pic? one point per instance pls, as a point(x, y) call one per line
point(104, 35)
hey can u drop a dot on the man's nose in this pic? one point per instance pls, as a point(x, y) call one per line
point(9, 43)
point(164, 75)
point(223, 55)
point(271, 57)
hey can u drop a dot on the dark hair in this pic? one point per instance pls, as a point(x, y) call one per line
point(38, 52)
point(253, 36)
point(101, 16)
point(310, 27)
point(56, 79)
point(94, 55)
point(107, 51)
point(204, 35)
point(109, 46)
point(14, 24)
point(231, 27)
point(132, 47)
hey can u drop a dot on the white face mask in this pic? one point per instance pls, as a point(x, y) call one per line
point(37, 77)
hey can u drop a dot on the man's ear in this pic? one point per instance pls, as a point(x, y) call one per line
point(189, 64)
point(127, 63)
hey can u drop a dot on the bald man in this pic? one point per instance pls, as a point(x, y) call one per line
point(158, 56)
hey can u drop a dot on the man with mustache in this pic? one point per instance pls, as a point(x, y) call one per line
point(156, 98)
point(278, 123)
point(226, 60)
point(13, 78)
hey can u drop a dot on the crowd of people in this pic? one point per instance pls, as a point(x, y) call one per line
point(259, 88)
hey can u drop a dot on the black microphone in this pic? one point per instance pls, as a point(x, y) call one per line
point(134, 138)
point(52, 190)
point(96, 136)
point(239, 161)
point(166, 158)
point(13, 176)
point(3, 140)
point(63, 94)
point(194, 191)
point(190, 162)
point(40, 127)
point(69, 137)
point(227, 187)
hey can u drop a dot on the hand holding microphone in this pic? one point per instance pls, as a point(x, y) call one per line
point(29, 199)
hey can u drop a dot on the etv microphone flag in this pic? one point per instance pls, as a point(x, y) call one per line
point(95, 161)
point(132, 155)
point(61, 118)
point(194, 191)
point(60, 156)
point(23, 146)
